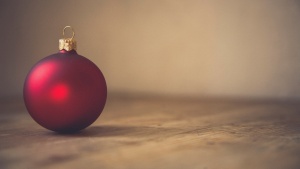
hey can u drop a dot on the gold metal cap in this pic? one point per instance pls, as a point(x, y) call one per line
point(67, 44)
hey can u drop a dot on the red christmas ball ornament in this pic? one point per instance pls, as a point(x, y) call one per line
point(65, 92)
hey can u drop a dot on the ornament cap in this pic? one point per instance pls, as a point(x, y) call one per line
point(68, 44)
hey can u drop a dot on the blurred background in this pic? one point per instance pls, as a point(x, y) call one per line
point(201, 48)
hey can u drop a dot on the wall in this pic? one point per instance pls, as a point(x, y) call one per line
point(200, 48)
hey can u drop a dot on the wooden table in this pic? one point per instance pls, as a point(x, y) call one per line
point(160, 133)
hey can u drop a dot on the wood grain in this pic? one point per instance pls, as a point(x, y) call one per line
point(155, 132)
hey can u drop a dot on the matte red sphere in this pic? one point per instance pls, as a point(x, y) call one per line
point(65, 92)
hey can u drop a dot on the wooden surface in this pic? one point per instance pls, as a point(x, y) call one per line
point(160, 133)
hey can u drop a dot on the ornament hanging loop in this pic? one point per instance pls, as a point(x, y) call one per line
point(73, 32)
point(67, 44)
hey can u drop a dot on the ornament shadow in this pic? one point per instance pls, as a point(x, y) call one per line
point(121, 131)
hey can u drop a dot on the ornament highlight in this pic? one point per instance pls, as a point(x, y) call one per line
point(65, 92)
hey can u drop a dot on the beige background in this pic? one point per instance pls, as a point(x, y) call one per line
point(236, 48)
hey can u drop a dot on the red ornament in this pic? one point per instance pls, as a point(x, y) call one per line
point(65, 92)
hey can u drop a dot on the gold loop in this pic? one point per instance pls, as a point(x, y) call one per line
point(72, 31)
